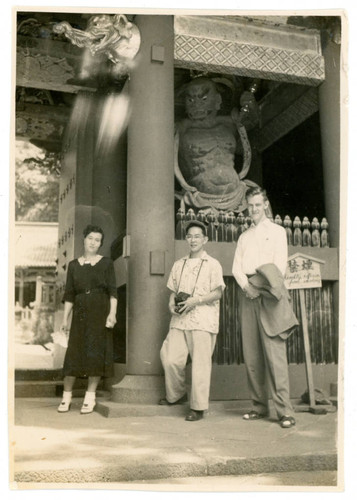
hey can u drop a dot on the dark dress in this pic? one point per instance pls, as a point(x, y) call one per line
point(90, 344)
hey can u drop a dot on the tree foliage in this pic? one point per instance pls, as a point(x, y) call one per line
point(37, 176)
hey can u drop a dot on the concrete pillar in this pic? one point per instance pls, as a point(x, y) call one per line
point(38, 295)
point(21, 289)
point(150, 209)
point(329, 107)
point(330, 124)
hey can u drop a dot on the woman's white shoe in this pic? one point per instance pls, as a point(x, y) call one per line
point(65, 404)
point(64, 407)
point(88, 403)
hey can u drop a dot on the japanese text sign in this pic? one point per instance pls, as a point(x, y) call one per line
point(303, 271)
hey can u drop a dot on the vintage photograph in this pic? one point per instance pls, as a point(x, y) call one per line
point(176, 239)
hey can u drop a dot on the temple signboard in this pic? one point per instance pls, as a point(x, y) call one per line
point(303, 271)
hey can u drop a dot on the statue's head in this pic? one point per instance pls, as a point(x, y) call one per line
point(96, 24)
point(202, 99)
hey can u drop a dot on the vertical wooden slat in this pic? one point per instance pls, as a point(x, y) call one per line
point(297, 235)
point(240, 224)
point(212, 228)
point(180, 224)
point(308, 364)
point(325, 241)
point(221, 231)
point(231, 229)
point(322, 337)
point(315, 237)
point(289, 234)
point(306, 235)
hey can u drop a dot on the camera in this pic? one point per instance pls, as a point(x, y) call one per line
point(180, 297)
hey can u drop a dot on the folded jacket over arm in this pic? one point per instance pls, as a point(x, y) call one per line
point(276, 313)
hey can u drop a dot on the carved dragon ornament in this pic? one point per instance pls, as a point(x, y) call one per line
point(110, 35)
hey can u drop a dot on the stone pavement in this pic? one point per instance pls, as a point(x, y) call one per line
point(150, 443)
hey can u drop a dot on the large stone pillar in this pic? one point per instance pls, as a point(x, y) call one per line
point(150, 209)
point(21, 288)
point(330, 124)
point(38, 293)
point(330, 120)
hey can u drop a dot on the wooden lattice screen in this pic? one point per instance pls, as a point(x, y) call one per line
point(319, 308)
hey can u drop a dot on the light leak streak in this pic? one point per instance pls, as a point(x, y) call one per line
point(113, 122)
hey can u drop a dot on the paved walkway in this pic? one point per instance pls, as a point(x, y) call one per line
point(49, 447)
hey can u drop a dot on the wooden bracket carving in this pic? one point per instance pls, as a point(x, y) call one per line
point(110, 35)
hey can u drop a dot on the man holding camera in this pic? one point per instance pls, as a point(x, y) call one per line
point(196, 283)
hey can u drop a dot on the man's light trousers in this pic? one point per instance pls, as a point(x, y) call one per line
point(174, 352)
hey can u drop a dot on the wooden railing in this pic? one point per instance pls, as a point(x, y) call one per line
point(34, 326)
point(227, 227)
point(22, 313)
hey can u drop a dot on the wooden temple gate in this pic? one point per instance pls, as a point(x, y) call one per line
point(130, 190)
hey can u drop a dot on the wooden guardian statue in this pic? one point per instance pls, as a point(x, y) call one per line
point(205, 149)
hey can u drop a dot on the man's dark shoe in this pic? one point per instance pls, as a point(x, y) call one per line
point(286, 422)
point(254, 415)
point(194, 415)
point(164, 402)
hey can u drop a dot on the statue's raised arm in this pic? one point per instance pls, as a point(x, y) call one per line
point(178, 172)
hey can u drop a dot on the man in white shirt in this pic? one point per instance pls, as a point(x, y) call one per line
point(264, 355)
point(194, 323)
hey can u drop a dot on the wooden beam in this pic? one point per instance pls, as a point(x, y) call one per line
point(41, 123)
point(279, 99)
point(241, 47)
point(49, 64)
point(282, 114)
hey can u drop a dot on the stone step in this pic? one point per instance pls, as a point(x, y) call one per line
point(45, 388)
point(34, 375)
point(114, 409)
point(38, 388)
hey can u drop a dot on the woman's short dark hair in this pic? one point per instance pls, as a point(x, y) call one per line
point(93, 229)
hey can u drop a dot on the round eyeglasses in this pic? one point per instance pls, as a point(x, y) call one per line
point(194, 236)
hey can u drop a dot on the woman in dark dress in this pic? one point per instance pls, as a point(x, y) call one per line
point(92, 297)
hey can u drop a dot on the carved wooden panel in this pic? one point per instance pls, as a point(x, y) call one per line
point(248, 60)
point(41, 122)
point(47, 64)
point(259, 49)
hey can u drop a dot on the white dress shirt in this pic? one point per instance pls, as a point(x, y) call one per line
point(265, 243)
